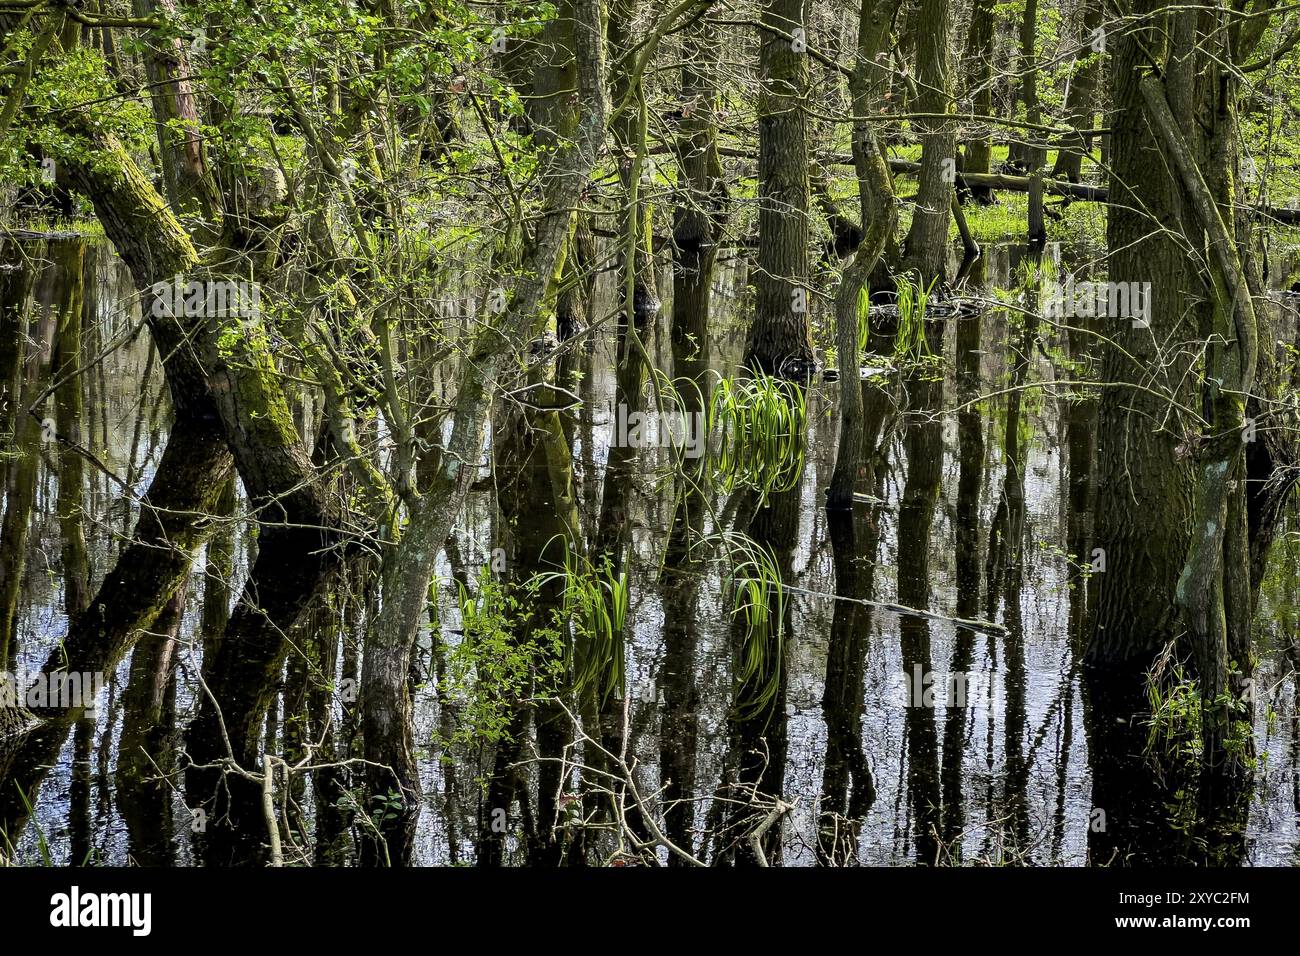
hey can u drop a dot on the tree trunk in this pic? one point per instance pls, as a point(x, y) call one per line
point(926, 247)
point(191, 189)
point(1143, 481)
point(879, 216)
point(780, 340)
point(407, 567)
point(979, 87)
point(68, 411)
point(1079, 107)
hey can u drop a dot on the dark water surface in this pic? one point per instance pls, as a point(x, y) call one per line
point(1006, 779)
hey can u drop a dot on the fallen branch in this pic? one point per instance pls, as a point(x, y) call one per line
point(984, 627)
point(1283, 215)
point(760, 831)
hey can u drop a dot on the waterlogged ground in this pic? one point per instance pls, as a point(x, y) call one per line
point(1009, 778)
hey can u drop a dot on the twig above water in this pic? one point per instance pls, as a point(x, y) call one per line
point(984, 627)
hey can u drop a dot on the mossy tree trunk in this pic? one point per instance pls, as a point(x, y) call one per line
point(408, 567)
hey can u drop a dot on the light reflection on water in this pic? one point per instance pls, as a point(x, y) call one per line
point(126, 432)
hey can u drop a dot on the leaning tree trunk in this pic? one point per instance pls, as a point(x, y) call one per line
point(408, 566)
point(233, 380)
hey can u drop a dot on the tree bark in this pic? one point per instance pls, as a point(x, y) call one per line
point(780, 339)
point(927, 240)
point(879, 215)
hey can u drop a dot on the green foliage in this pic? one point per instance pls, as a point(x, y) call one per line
point(500, 660)
point(1006, 218)
point(759, 603)
point(596, 602)
point(46, 856)
point(864, 323)
point(1175, 721)
point(762, 425)
point(1174, 724)
point(1079, 224)
point(75, 79)
point(913, 298)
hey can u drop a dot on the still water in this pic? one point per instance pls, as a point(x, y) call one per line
point(974, 516)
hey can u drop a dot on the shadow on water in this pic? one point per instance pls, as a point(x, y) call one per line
point(866, 737)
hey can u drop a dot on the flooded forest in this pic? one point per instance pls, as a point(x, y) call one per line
point(689, 433)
